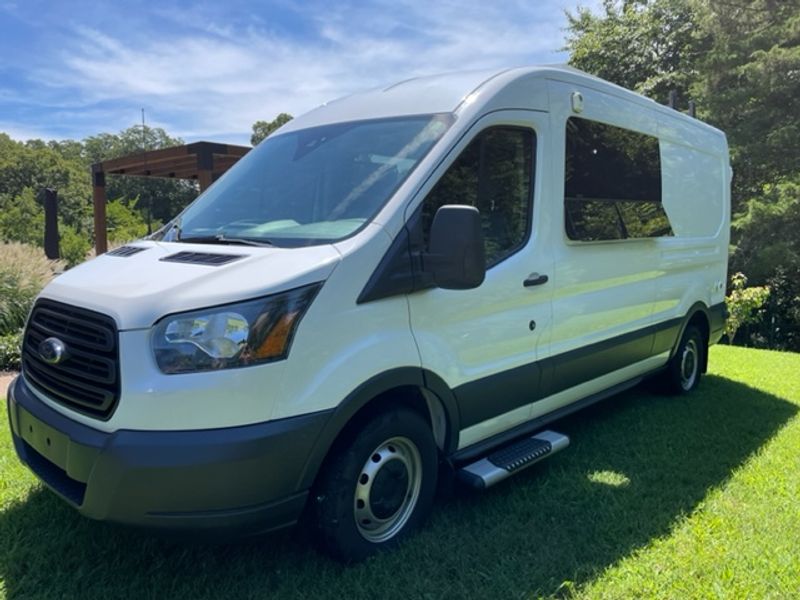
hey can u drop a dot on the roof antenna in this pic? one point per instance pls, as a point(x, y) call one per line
point(149, 196)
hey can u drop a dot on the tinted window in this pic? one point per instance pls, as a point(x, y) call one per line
point(612, 187)
point(493, 174)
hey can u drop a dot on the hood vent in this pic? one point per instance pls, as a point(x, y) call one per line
point(202, 258)
point(125, 251)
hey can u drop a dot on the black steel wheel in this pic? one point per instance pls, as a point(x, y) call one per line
point(377, 487)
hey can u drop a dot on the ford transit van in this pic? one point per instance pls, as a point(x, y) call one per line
point(416, 278)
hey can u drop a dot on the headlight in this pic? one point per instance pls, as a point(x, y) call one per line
point(234, 335)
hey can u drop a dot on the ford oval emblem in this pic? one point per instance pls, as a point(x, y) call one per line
point(53, 351)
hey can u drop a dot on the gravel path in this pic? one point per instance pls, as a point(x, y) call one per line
point(5, 380)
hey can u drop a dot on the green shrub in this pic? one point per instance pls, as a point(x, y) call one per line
point(73, 247)
point(744, 304)
point(24, 271)
point(10, 353)
point(124, 221)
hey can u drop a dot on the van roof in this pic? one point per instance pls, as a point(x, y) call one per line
point(451, 92)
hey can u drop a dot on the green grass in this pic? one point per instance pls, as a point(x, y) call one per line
point(657, 496)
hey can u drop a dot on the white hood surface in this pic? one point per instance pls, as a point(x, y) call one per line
point(138, 290)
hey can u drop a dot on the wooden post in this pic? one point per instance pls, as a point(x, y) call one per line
point(205, 166)
point(673, 99)
point(50, 223)
point(99, 199)
point(205, 179)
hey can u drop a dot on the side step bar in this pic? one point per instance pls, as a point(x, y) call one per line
point(511, 458)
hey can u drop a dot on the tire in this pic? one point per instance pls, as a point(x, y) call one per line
point(684, 369)
point(377, 487)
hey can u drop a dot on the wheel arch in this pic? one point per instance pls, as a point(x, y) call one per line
point(413, 387)
point(698, 315)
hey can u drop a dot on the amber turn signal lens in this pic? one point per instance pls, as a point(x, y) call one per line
point(277, 339)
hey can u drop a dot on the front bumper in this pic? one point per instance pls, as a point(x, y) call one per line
point(240, 480)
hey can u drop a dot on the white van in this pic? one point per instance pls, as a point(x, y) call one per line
point(410, 279)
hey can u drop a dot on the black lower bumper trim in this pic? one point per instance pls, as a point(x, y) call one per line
point(242, 479)
point(57, 479)
point(241, 521)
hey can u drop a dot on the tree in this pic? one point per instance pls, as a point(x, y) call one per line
point(70, 150)
point(780, 329)
point(649, 46)
point(767, 231)
point(768, 250)
point(36, 165)
point(262, 129)
point(124, 222)
point(72, 246)
point(22, 219)
point(750, 88)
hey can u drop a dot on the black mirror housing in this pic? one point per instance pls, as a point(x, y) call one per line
point(456, 256)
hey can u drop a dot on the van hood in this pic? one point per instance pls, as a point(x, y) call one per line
point(139, 288)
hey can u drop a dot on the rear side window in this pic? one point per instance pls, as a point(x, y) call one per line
point(495, 175)
point(612, 187)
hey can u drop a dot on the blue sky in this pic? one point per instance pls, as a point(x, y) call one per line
point(208, 70)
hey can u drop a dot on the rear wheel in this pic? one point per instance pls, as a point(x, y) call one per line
point(684, 368)
point(378, 487)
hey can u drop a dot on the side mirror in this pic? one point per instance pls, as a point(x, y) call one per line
point(456, 258)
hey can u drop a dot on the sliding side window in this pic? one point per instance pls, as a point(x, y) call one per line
point(495, 175)
point(612, 187)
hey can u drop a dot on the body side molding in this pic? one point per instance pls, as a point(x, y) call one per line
point(482, 447)
point(533, 382)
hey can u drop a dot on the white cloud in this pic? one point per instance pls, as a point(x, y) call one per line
point(214, 79)
point(22, 132)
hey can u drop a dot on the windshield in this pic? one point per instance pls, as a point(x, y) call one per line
point(311, 186)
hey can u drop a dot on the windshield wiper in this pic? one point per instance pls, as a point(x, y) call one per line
point(220, 238)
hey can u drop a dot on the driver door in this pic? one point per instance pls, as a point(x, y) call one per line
point(483, 342)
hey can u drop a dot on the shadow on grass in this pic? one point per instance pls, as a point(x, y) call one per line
point(637, 464)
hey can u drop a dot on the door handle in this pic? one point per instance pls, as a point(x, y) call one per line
point(535, 279)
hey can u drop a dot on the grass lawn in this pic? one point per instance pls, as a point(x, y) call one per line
point(657, 497)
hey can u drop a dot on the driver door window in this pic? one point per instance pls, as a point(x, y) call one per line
point(495, 175)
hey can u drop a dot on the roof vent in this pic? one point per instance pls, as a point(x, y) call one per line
point(202, 258)
point(125, 251)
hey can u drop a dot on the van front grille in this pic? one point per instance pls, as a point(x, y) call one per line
point(87, 377)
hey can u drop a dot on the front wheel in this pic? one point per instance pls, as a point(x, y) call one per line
point(377, 487)
point(685, 367)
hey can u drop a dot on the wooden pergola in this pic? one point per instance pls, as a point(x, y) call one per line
point(201, 161)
